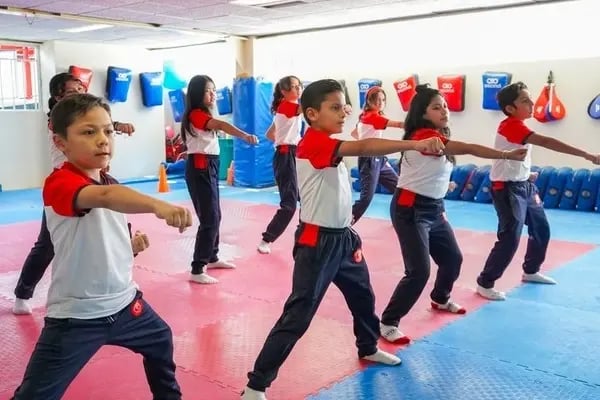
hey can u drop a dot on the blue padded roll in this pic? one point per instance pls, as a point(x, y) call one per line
point(588, 192)
point(474, 182)
point(545, 173)
point(253, 164)
point(460, 176)
point(556, 186)
point(177, 101)
point(570, 194)
point(484, 194)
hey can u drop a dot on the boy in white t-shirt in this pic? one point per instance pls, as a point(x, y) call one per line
point(93, 300)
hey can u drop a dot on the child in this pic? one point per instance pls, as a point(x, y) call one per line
point(373, 170)
point(418, 215)
point(42, 252)
point(326, 249)
point(285, 132)
point(515, 196)
point(199, 133)
point(93, 300)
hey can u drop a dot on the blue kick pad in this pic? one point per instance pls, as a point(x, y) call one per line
point(177, 101)
point(118, 81)
point(363, 87)
point(152, 88)
point(492, 83)
point(224, 101)
point(253, 165)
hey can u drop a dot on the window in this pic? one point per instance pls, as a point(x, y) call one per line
point(19, 77)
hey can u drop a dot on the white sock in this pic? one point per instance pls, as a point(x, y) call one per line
point(251, 394)
point(22, 307)
point(491, 293)
point(263, 247)
point(393, 335)
point(203, 278)
point(382, 357)
point(220, 265)
point(538, 278)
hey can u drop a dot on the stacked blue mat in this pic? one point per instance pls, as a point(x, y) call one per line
point(253, 165)
point(560, 187)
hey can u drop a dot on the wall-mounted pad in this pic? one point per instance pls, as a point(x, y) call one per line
point(405, 90)
point(118, 81)
point(177, 101)
point(83, 74)
point(363, 87)
point(452, 88)
point(492, 83)
point(152, 88)
point(224, 101)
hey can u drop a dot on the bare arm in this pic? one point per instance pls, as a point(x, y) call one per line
point(379, 147)
point(454, 147)
point(128, 201)
point(271, 133)
point(217, 124)
point(395, 124)
point(354, 133)
point(561, 147)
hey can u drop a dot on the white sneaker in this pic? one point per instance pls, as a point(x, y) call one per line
point(251, 394)
point(538, 278)
point(491, 293)
point(393, 335)
point(263, 247)
point(203, 279)
point(22, 307)
point(220, 265)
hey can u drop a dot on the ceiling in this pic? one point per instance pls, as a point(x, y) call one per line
point(172, 23)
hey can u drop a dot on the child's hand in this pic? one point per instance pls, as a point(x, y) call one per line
point(251, 139)
point(594, 158)
point(517, 154)
point(139, 242)
point(348, 109)
point(125, 128)
point(431, 146)
point(452, 186)
point(533, 176)
point(175, 216)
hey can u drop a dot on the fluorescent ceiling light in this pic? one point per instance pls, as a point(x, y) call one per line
point(86, 28)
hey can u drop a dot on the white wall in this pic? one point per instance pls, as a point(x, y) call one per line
point(216, 60)
point(527, 42)
point(140, 154)
point(24, 160)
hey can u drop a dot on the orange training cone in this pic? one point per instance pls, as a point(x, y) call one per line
point(163, 184)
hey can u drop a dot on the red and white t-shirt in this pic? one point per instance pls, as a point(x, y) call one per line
point(287, 123)
point(371, 125)
point(323, 182)
point(92, 266)
point(512, 134)
point(205, 141)
point(425, 174)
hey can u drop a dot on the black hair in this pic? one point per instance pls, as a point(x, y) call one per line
point(315, 94)
point(57, 87)
point(66, 111)
point(284, 83)
point(415, 118)
point(509, 94)
point(194, 100)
